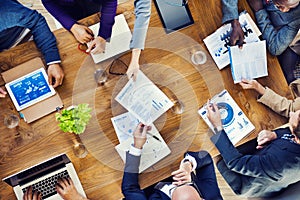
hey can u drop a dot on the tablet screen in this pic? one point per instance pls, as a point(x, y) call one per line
point(174, 14)
point(29, 89)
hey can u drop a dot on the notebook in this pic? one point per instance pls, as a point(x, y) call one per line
point(235, 123)
point(43, 178)
point(29, 89)
point(119, 41)
point(38, 109)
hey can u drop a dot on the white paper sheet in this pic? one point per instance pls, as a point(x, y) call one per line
point(143, 99)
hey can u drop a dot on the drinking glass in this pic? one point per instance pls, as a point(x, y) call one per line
point(198, 58)
point(11, 121)
point(80, 150)
point(100, 76)
point(178, 107)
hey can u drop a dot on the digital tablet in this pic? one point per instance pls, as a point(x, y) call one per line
point(174, 14)
point(29, 89)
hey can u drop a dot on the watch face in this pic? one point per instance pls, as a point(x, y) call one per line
point(226, 112)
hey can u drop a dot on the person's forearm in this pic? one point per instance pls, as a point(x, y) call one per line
point(279, 104)
point(107, 20)
point(135, 56)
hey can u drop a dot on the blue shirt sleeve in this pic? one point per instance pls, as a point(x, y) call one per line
point(277, 39)
point(229, 10)
point(13, 14)
point(142, 9)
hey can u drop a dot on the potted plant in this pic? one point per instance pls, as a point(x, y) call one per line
point(74, 119)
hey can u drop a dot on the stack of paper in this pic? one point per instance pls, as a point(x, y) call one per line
point(145, 103)
point(153, 150)
point(218, 42)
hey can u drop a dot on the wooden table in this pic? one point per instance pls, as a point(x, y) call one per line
point(166, 61)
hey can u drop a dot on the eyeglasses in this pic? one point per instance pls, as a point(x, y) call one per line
point(192, 183)
point(118, 67)
point(183, 2)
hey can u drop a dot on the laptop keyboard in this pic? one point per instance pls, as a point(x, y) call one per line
point(47, 186)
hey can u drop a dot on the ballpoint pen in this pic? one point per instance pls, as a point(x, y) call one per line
point(154, 136)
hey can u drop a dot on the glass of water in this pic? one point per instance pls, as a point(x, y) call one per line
point(11, 120)
point(100, 76)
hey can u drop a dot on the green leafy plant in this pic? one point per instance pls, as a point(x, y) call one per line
point(74, 120)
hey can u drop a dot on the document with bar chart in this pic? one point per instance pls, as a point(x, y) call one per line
point(143, 99)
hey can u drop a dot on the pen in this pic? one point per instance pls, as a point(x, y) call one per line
point(154, 136)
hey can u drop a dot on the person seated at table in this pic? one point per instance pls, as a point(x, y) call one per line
point(268, 97)
point(142, 9)
point(279, 22)
point(195, 179)
point(68, 12)
point(269, 169)
point(64, 187)
point(15, 20)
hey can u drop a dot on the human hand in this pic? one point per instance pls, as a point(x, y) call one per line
point(264, 137)
point(237, 34)
point(253, 84)
point(97, 45)
point(134, 66)
point(82, 33)
point(32, 195)
point(294, 120)
point(2, 93)
point(183, 174)
point(213, 114)
point(66, 189)
point(256, 5)
point(55, 72)
point(140, 135)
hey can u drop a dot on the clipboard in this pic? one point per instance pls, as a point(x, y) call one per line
point(41, 108)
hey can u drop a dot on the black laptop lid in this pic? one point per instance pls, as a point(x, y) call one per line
point(37, 171)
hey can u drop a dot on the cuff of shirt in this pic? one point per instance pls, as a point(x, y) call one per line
point(53, 62)
point(135, 151)
point(191, 159)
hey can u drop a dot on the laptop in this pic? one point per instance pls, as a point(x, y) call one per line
point(29, 89)
point(43, 178)
point(119, 41)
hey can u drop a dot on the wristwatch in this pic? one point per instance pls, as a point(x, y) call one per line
point(218, 129)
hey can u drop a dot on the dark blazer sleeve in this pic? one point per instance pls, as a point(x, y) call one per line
point(262, 165)
point(130, 183)
point(205, 177)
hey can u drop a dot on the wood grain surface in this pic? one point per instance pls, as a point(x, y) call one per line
point(166, 61)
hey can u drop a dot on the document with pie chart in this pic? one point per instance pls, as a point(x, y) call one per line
point(235, 123)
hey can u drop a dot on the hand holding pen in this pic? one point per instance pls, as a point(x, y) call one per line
point(140, 135)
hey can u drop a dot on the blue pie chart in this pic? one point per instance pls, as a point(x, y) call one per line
point(226, 113)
